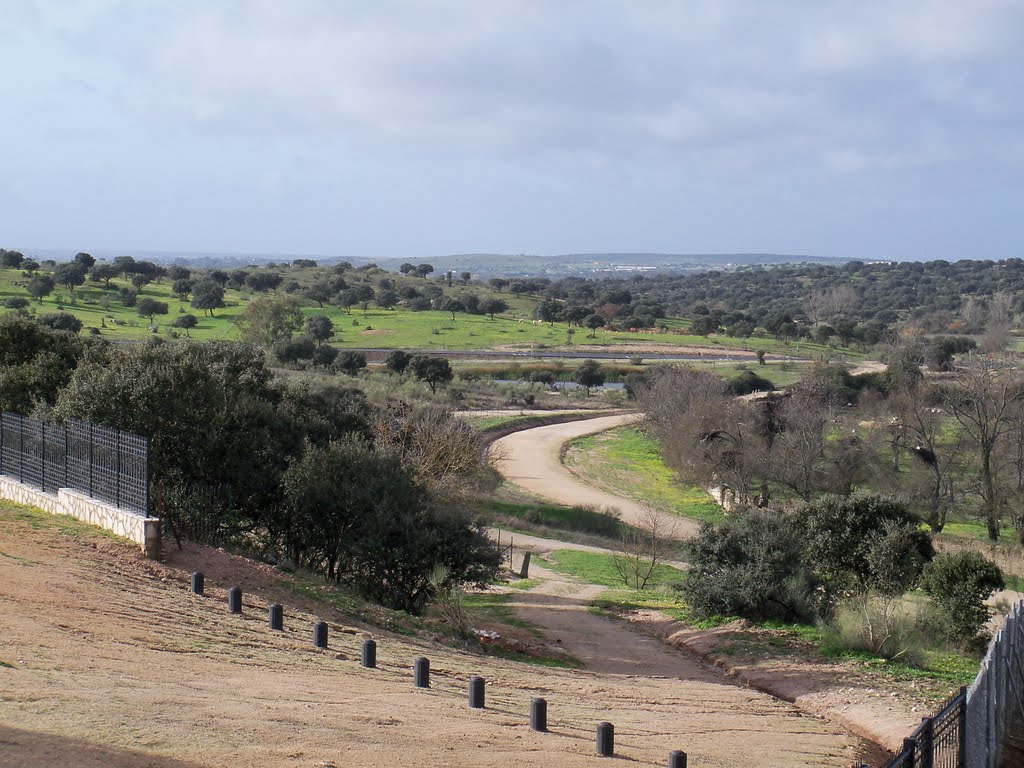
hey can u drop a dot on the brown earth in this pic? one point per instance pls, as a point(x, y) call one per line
point(107, 659)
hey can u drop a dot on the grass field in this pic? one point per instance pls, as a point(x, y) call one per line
point(628, 461)
point(100, 308)
point(598, 568)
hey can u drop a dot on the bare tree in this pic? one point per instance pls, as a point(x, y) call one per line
point(984, 404)
point(642, 549)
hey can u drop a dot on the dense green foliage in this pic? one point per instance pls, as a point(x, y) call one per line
point(958, 584)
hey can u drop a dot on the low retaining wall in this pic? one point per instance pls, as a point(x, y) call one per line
point(144, 531)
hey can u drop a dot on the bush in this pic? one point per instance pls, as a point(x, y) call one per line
point(350, 362)
point(750, 566)
point(293, 350)
point(958, 584)
point(61, 321)
point(397, 361)
point(840, 536)
point(16, 302)
point(880, 625)
point(747, 382)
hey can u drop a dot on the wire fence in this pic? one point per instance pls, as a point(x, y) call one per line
point(995, 700)
point(106, 464)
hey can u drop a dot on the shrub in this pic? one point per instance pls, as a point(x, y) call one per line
point(839, 535)
point(749, 566)
point(350, 362)
point(16, 302)
point(880, 625)
point(293, 350)
point(748, 382)
point(397, 360)
point(959, 583)
point(61, 321)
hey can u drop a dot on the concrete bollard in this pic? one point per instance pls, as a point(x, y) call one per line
point(320, 634)
point(276, 616)
point(524, 572)
point(539, 715)
point(677, 759)
point(235, 600)
point(476, 692)
point(605, 739)
point(198, 582)
point(421, 672)
point(369, 655)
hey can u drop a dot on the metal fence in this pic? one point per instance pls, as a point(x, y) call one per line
point(106, 464)
point(940, 741)
point(995, 700)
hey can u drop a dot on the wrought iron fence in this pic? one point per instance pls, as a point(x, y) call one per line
point(940, 741)
point(104, 463)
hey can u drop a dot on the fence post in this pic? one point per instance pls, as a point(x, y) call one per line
point(146, 448)
point(369, 654)
point(524, 572)
point(42, 464)
point(275, 616)
point(676, 759)
point(67, 455)
point(198, 582)
point(235, 600)
point(21, 449)
point(320, 634)
point(909, 749)
point(961, 744)
point(926, 747)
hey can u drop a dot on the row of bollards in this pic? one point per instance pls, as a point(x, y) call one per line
point(605, 735)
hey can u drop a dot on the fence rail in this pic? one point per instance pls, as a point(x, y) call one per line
point(106, 464)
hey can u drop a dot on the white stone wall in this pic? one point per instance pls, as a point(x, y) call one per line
point(144, 531)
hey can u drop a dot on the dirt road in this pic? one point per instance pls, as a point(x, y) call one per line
point(107, 660)
point(531, 459)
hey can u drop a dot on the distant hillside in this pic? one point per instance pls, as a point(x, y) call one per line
point(480, 264)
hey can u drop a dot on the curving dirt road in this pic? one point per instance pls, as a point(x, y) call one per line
point(532, 459)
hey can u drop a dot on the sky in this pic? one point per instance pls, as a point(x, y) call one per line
point(411, 128)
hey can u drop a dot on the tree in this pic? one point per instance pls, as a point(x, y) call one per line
point(208, 295)
point(406, 268)
point(548, 311)
point(465, 277)
point(292, 350)
point(387, 299)
point(493, 307)
point(70, 275)
point(40, 286)
point(321, 291)
point(182, 288)
point(588, 374)
point(424, 269)
point(140, 281)
point(128, 296)
point(16, 303)
point(178, 272)
point(150, 308)
point(269, 320)
point(86, 260)
point(319, 328)
point(185, 321)
point(498, 283)
point(453, 306)
point(397, 361)
point(262, 281)
point(35, 362)
point(350, 363)
point(324, 356)
point(349, 298)
point(11, 259)
point(104, 273)
point(593, 322)
point(433, 370)
point(641, 549)
point(983, 404)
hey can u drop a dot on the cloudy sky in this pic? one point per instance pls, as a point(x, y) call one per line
point(855, 128)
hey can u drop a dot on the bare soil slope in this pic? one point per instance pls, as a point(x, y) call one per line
point(108, 660)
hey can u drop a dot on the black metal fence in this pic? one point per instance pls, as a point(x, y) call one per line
point(106, 464)
point(940, 741)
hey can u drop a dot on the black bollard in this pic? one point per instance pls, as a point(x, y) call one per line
point(605, 739)
point(524, 572)
point(539, 715)
point(369, 658)
point(320, 634)
point(676, 759)
point(421, 672)
point(476, 692)
point(276, 615)
point(198, 582)
point(235, 600)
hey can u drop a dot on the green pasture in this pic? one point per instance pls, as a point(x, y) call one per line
point(598, 568)
point(98, 307)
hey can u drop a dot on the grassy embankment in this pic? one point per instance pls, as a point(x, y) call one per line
point(628, 462)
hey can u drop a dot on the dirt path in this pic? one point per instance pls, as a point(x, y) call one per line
point(532, 459)
point(108, 660)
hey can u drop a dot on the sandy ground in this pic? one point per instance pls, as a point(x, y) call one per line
point(108, 660)
point(531, 459)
